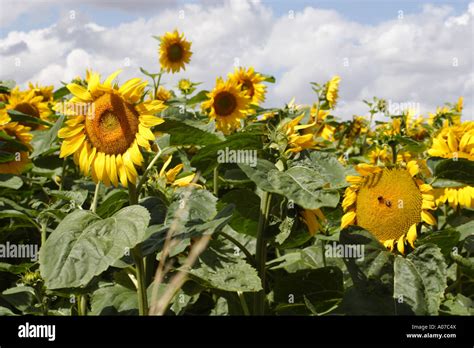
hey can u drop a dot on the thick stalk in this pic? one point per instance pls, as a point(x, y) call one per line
point(216, 180)
point(138, 258)
point(261, 251)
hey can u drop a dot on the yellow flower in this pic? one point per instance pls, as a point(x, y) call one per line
point(454, 196)
point(30, 104)
point(332, 91)
point(320, 128)
point(414, 125)
point(163, 94)
point(389, 203)
point(20, 134)
point(175, 52)
point(185, 85)
point(44, 91)
point(313, 218)
point(250, 82)
point(171, 174)
point(227, 105)
point(459, 104)
point(454, 142)
point(378, 155)
point(108, 127)
point(297, 142)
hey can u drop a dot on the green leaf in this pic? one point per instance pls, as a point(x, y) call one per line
point(114, 300)
point(6, 156)
point(457, 305)
point(207, 158)
point(189, 132)
point(113, 202)
point(43, 140)
point(14, 269)
point(17, 116)
point(198, 98)
point(229, 276)
point(446, 240)
point(420, 280)
point(454, 169)
point(259, 173)
point(13, 144)
point(83, 245)
point(60, 93)
point(465, 230)
point(10, 181)
point(21, 297)
point(246, 213)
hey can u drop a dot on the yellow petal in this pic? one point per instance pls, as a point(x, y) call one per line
point(348, 219)
point(99, 165)
point(79, 92)
point(108, 81)
point(68, 132)
point(113, 171)
point(427, 217)
point(71, 145)
point(401, 245)
point(411, 235)
point(150, 121)
point(146, 132)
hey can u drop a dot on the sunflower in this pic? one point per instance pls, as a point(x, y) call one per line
point(227, 104)
point(332, 91)
point(379, 155)
point(454, 142)
point(251, 84)
point(296, 141)
point(175, 52)
point(106, 139)
point(20, 134)
point(30, 104)
point(320, 128)
point(44, 91)
point(171, 174)
point(163, 94)
point(389, 203)
point(313, 218)
point(414, 126)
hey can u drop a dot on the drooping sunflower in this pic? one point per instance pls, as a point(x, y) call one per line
point(106, 137)
point(251, 84)
point(44, 91)
point(29, 103)
point(163, 94)
point(227, 105)
point(313, 218)
point(171, 174)
point(332, 91)
point(389, 203)
point(22, 136)
point(175, 51)
point(296, 141)
point(320, 128)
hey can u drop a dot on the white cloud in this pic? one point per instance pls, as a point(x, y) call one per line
point(404, 60)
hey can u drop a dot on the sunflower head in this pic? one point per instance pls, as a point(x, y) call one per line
point(30, 104)
point(108, 126)
point(454, 142)
point(251, 84)
point(332, 91)
point(44, 91)
point(389, 203)
point(14, 157)
point(296, 141)
point(163, 94)
point(174, 51)
point(227, 105)
point(320, 127)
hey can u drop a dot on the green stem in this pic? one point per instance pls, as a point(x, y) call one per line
point(243, 303)
point(43, 232)
point(147, 170)
point(63, 175)
point(96, 198)
point(393, 145)
point(216, 180)
point(261, 251)
point(82, 305)
point(138, 258)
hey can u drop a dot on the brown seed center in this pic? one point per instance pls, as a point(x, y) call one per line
point(225, 103)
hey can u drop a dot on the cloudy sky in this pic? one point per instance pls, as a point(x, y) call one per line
point(405, 51)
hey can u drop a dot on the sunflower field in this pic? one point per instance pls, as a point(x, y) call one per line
point(128, 198)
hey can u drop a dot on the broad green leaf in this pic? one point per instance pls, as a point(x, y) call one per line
point(189, 132)
point(43, 140)
point(14, 269)
point(457, 305)
point(114, 300)
point(83, 245)
point(22, 298)
point(113, 202)
point(246, 213)
point(17, 116)
point(456, 169)
point(60, 93)
point(10, 181)
point(446, 240)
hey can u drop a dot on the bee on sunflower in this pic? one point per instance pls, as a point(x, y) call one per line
point(390, 203)
point(108, 138)
point(455, 142)
point(175, 51)
point(227, 105)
